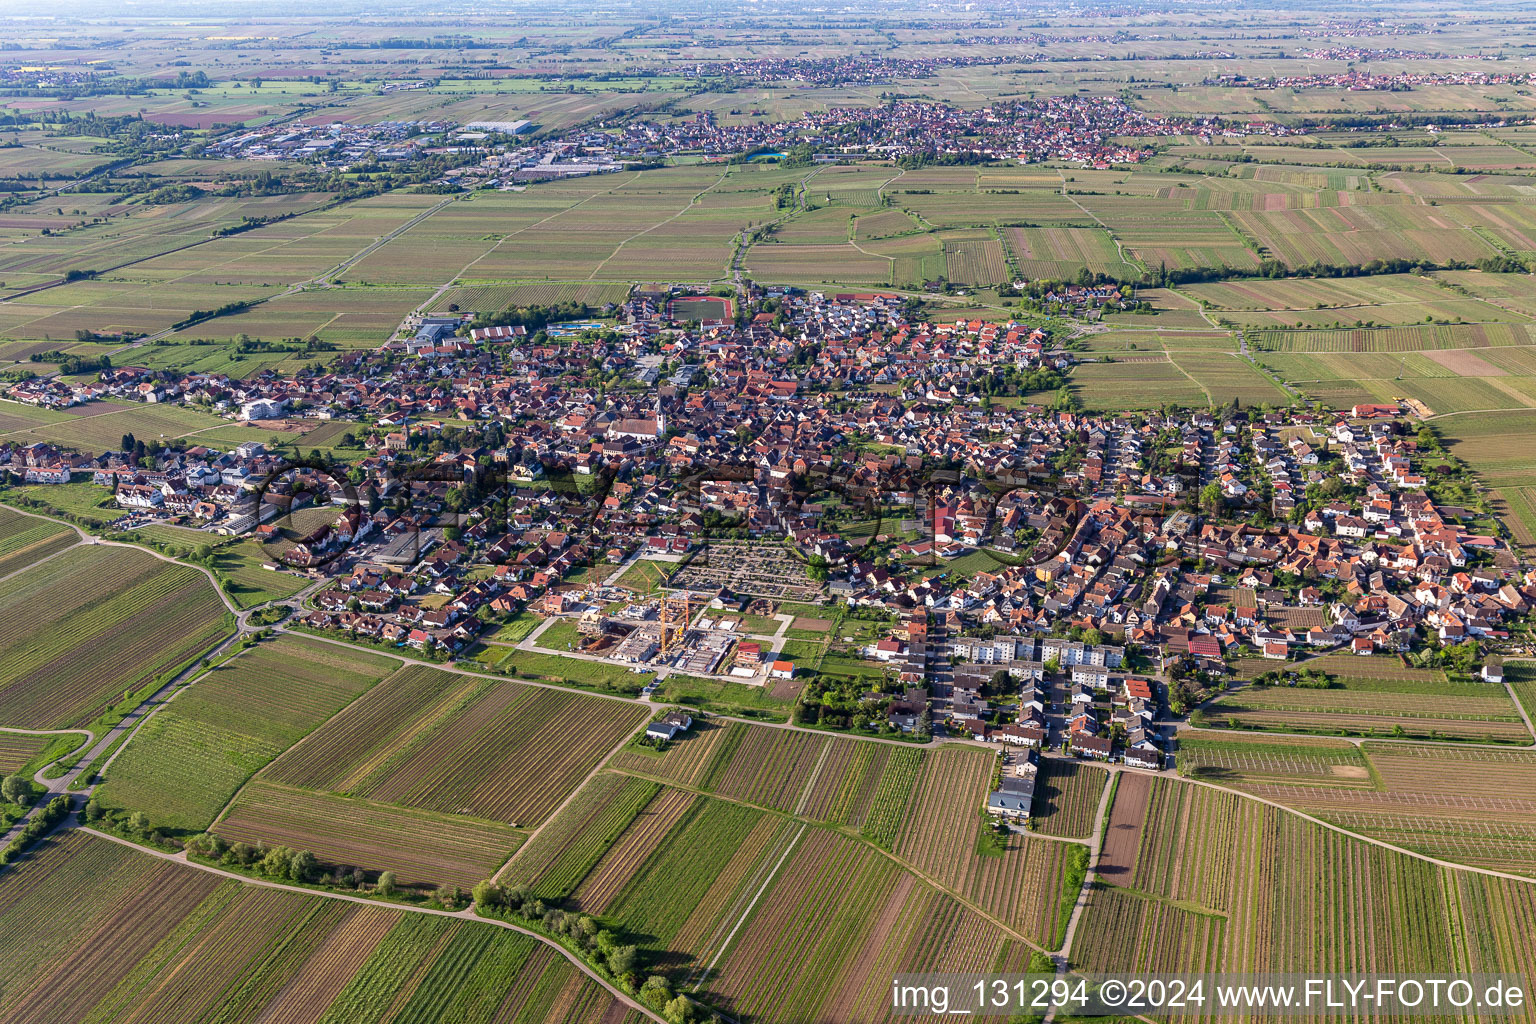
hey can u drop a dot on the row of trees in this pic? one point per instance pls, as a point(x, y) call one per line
point(73, 364)
point(41, 824)
point(603, 947)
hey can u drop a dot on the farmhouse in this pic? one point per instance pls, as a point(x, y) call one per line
point(669, 725)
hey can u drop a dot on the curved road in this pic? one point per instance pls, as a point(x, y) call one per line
point(467, 914)
point(1061, 957)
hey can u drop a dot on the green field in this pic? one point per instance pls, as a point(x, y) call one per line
point(725, 696)
point(27, 539)
point(180, 937)
point(1389, 700)
point(94, 623)
point(464, 745)
point(187, 760)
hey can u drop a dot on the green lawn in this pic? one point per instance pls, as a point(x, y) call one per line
point(85, 501)
point(516, 629)
point(837, 664)
point(968, 564)
point(645, 576)
point(761, 624)
point(724, 695)
point(802, 652)
point(239, 563)
point(560, 635)
point(574, 671)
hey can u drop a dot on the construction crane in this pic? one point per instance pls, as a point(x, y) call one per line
point(672, 630)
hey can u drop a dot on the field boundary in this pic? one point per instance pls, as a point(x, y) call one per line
point(467, 914)
point(747, 911)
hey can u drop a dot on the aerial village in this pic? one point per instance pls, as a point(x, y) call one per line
point(1019, 574)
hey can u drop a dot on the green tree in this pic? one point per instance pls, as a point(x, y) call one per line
point(679, 1011)
point(488, 894)
point(16, 789)
point(622, 960)
point(276, 862)
point(302, 866)
point(656, 992)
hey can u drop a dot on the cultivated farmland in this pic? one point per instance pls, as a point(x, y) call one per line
point(27, 539)
point(1465, 804)
point(559, 857)
point(1257, 888)
point(1430, 708)
point(1239, 759)
point(422, 848)
point(191, 756)
point(169, 942)
point(838, 910)
point(500, 751)
point(493, 297)
point(975, 261)
point(634, 847)
point(92, 623)
point(1021, 886)
point(508, 754)
point(1067, 797)
point(864, 786)
point(19, 748)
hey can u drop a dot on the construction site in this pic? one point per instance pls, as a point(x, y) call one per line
point(678, 632)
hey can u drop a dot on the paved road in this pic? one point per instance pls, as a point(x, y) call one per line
point(467, 914)
point(90, 538)
point(99, 745)
point(104, 742)
point(1063, 956)
point(324, 280)
point(61, 786)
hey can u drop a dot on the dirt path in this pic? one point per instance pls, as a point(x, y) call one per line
point(747, 911)
point(1358, 740)
point(513, 234)
point(1453, 865)
point(693, 202)
point(1474, 412)
point(1095, 847)
point(33, 565)
point(467, 914)
point(1119, 246)
point(61, 786)
point(134, 718)
point(1524, 717)
point(324, 280)
point(905, 865)
point(87, 538)
point(623, 741)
